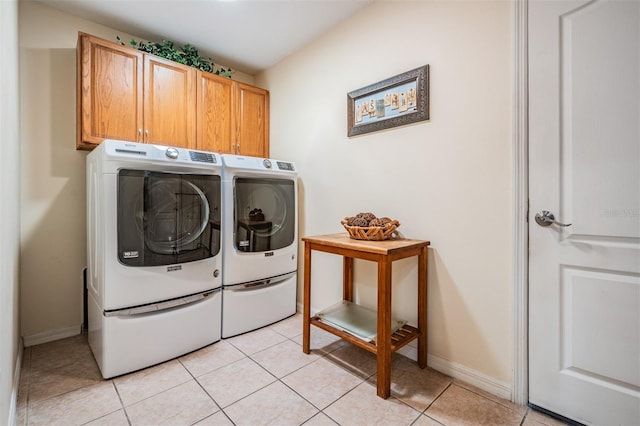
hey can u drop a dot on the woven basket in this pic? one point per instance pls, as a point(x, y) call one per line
point(372, 233)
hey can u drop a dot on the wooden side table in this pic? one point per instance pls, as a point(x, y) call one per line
point(384, 253)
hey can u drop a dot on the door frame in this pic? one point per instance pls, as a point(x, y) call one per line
point(520, 300)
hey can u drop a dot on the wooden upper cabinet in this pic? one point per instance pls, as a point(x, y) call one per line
point(252, 121)
point(169, 103)
point(215, 113)
point(109, 92)
point(129, 95)
point(233, 118)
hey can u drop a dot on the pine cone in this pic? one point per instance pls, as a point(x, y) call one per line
point(357, 221)
point(366, 216)
point(379, 221)
point(386, 220)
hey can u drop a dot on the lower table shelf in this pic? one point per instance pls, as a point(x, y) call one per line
point(358, 325)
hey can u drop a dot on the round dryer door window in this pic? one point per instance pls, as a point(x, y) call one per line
point(265, 214)
point(166, 218)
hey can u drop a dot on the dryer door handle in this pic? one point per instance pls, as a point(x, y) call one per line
point(255, 285)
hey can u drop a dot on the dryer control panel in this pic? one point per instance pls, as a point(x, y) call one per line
point(257, 164)
point(282, 165)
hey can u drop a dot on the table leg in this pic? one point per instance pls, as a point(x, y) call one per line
point(347, 278)
point(383, 340)
point(306, 312)
point(422, 308)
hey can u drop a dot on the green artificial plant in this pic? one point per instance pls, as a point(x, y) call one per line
point(187, 55)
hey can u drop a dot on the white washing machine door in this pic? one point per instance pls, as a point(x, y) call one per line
point(167, 218)
point(174, 215)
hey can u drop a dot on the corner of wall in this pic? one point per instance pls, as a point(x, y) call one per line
point(13, 403)
point(10, 342)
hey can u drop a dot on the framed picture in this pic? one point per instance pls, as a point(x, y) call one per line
point(396, 101)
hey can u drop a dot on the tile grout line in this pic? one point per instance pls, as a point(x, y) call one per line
point(246, 396)
point(124, 410)
point(424, 412)
point(363, 380)
point(492, 399)
point(320, 356)
point(220, 409)
point(323, 355)
point(328, 355)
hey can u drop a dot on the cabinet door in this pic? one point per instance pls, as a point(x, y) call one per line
point(215, 114)
point(169, 103)
point(109, 92)
point(252, 121)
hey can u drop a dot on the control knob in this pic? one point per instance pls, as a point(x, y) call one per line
point(172, 153)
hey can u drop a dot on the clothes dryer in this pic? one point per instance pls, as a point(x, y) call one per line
point(153, 248)
point(260, 242)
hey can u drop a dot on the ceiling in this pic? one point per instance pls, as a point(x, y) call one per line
point(246, 35)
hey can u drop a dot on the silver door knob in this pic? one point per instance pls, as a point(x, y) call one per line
point(546, 218)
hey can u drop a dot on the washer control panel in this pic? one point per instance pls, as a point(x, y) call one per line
point(123, 149)
point(203, 157)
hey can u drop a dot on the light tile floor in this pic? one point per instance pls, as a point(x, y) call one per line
point(259, 378)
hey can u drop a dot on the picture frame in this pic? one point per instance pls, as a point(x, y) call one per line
point(397, 101)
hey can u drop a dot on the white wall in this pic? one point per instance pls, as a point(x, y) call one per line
point(9, 211)
point(448, 180)
point(53, 209)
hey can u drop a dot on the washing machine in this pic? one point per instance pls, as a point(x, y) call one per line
point(153, 248)
point(260, 242)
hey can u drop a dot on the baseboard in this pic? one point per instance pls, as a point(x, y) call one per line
point(457, 371)
point(470, 376)
point(51, 335)
point(300, 309)
point(462, 373)
point(13, 403)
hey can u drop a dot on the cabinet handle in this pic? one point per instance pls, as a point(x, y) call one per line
point(238, 149)
point(139, 135)
point(146, 136)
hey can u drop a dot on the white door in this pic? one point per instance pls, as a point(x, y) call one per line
point(584, 160)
